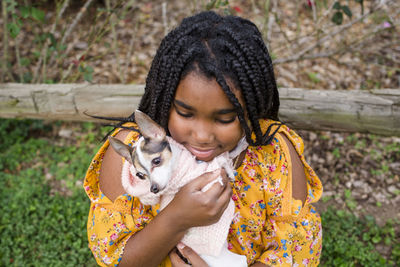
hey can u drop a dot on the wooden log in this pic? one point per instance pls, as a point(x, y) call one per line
point(376, 111)
point(68, 101)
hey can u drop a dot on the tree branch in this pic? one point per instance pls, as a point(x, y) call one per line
point(5, 41)
point(115, 41)
point(301, 55)
point(17, 54)
point(43, 53)
point(72, 26)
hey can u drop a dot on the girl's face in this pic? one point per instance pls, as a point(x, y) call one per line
point(203, 119)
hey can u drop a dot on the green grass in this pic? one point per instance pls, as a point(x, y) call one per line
point(351, 241)
point(41, 226)
point(44, 208)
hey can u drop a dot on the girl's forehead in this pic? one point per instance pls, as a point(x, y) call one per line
point(197, 90)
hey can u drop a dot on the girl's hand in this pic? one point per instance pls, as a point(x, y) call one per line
point(193, 259)
point(192, 207)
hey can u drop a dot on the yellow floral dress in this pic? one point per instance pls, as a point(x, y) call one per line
point(269, 225)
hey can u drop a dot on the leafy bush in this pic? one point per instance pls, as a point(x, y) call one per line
point(351, 241)
point(16, 131)
point(42, 205)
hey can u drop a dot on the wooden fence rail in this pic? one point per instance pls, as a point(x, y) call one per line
point(376, 111)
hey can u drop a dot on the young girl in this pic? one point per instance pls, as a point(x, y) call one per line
point(211, 83)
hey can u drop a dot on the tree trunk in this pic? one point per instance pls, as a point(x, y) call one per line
point(376, 111)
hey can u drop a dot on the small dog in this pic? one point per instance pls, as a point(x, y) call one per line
point(157, 167)
point(152, 155)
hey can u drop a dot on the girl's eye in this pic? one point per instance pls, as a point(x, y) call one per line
point(156, 161)
point(183, 114)
point(140, 175)
point(226, 121)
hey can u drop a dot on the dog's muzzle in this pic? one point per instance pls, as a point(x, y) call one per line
point(154, 189)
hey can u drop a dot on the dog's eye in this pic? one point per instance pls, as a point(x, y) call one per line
point(156, 161)
point(140, 175)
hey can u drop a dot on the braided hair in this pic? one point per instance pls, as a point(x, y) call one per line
point(221, 47)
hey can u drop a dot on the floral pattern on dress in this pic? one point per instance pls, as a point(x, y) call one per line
point(269, 226)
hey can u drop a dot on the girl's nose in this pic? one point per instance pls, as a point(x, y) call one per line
point(203, 133)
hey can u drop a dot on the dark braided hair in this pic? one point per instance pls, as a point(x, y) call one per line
point(227, 48)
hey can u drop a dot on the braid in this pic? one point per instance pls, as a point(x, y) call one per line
point(222, 82)
point(221, 48)
point(273, 107)
point(252, 66)
point(173, 82)
point(246, 88)
point(174, 43)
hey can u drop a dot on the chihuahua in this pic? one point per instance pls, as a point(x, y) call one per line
point(152, 156)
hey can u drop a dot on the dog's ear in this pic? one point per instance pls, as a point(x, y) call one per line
point(149, 128)
point(123, 150)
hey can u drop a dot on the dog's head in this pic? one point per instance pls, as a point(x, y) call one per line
point(152, 156)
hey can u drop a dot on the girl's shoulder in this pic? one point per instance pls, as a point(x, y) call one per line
point(92, 178)
point(273, 161)
point(277, 144)
point(281, 128)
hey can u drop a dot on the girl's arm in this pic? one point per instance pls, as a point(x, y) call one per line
point(298, 192)
point(189, 208)
point(299, 180)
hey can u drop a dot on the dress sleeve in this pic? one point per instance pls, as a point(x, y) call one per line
point(292, 234)
point(111, 224)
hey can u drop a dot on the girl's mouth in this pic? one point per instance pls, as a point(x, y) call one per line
point(201, 154)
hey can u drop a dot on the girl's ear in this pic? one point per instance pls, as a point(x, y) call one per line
point(149, 128)
point(123, 150)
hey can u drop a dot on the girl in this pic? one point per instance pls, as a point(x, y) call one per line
point(211, 83)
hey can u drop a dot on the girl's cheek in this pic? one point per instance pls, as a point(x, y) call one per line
point(178, 128)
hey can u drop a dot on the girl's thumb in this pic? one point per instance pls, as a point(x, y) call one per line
point(206, 178)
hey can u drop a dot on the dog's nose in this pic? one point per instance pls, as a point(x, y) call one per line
point(154, 189)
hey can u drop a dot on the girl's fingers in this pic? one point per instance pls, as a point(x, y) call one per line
point(201, 181)
point(217, 191)
point(198, 208)
point(194, 258)
point(176, 260)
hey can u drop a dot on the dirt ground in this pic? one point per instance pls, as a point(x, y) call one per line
point(360, 172)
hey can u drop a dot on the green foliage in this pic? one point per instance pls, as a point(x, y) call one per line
point(340, 9)
point(87, 72)
point(350, 241)
point(337, 17)
point(17, 131)
point(313, 77)
point(349, 200)
point(216, 4)
point(361, 2)
point(220, 5)
point(20, 13)
point(14, 28)
point(48, 51)
point(37, 14)
point(336, 152)
point(38, 229)
point(43, 205)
